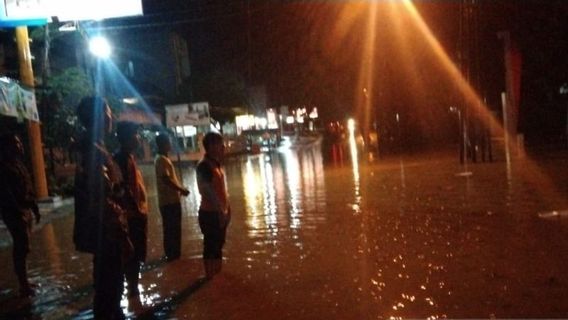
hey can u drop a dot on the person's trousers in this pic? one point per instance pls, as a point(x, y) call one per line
point(108, 277)
point(137, 232)
point(171, 223)
point(214, 232)
point(20, 226)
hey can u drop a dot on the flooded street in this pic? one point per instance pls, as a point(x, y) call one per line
point(310, 239)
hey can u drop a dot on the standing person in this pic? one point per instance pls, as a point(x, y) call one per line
point(17, 203)
point(133, 201)
point(170, 191)
point(100, 223)
point(214, 210)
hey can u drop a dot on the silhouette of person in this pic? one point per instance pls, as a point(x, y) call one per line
point(133, 201)
point(214, 210)
point(17, 203)
point(170, 191)
point(100, 222)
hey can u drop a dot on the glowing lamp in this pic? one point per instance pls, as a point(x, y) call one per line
point(351, 125)
point(100, 47)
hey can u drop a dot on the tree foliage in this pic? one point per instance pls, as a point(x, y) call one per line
point(57, 106)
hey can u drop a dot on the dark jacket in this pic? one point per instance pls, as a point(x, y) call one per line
point(99, 220)
point(16, 190)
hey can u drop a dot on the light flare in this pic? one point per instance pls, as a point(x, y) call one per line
point(100, 47)
point(532, 172)
point(349, 16)
point(472, 99)
point(364, 90)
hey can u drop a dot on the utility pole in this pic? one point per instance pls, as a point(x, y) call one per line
point(512, 62)
point(34, 132)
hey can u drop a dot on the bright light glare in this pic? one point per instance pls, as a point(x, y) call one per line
point(100, 47)
point(354, 153)
point(351, 126)
point(132, 100)
point(285, 143)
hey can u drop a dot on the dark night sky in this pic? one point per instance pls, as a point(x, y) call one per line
point(293, 48)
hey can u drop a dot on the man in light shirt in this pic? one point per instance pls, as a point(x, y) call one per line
point(170, 191)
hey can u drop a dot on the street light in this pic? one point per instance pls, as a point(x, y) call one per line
point(100, 47)
point(351, 126)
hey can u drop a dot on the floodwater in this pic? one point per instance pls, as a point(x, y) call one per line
point(313, 239)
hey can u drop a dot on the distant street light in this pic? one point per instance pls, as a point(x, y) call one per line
point(100, 47)
point(351, 126)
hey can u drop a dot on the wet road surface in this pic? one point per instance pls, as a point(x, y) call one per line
point(311, 239)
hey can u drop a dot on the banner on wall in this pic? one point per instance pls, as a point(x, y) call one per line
point(15, 13)
point(194, 114)
point(16, 101)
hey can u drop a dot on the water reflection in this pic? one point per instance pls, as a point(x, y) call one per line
point(190, 204)
point(402, 175)
point(259, 194)
point(348, 242)
point(280, 187)
point(270, 194)
point(355, 166)
point(292, 169)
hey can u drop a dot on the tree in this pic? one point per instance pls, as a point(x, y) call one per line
point(57, 109)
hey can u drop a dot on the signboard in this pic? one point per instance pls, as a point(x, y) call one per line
point(16, 101)
point(15, 13)
point(37, 12)
point(25, 9)
point(9, 98)
point(140, 116)
point(67, 10)
point(29, 106)
point(195, 114)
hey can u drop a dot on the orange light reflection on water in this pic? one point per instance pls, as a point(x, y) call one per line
point(294, 187)
point(252, 188)
point(366, 71)
point(355, 164)
point(279, 188)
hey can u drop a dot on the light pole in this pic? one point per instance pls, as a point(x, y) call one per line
point(462, 127)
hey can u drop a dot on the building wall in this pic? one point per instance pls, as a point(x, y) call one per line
point(158, 57)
